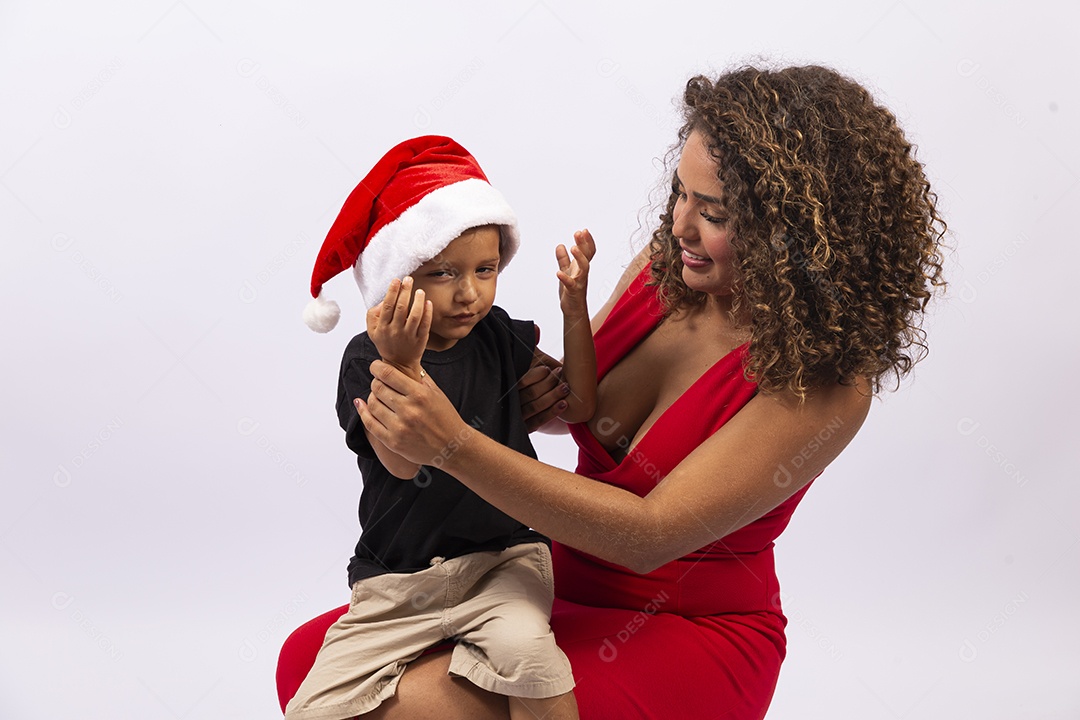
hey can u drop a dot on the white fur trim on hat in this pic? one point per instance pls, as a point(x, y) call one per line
point(426, 228)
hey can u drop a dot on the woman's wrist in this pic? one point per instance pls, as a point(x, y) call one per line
point(459, 452)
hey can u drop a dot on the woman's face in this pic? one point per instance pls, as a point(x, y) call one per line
point(700, 223)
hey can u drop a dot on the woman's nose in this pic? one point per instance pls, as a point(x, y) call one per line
point(681, 227)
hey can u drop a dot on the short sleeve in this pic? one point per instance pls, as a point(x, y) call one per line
point(522, 340)
point(524, 332)
point(355, 382)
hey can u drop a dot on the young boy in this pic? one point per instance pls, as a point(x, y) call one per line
point(435, 561)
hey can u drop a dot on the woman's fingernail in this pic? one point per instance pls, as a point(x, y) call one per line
point(356, 403)
point(564, 389)
point(561, 405)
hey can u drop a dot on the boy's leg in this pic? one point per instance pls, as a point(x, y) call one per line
point(391, 620)
point(428, 692)
point(560, 707)
point(505, 639)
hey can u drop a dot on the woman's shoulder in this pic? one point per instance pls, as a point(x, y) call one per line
point(636, 267)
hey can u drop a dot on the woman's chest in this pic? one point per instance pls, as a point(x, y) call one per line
point(641, 386)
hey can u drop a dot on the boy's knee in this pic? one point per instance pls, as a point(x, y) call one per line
point(518, 637)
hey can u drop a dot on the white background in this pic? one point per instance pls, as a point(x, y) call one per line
point(176, 496)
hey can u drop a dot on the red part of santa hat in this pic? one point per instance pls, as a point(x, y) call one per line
point(420, 196)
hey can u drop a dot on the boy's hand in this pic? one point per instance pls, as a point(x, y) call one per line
point(573, 274)
point(400, 333)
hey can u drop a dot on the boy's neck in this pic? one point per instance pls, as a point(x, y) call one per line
point(442, 345)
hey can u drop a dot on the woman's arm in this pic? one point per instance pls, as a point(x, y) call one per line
point(632, 271)
point(741, 472)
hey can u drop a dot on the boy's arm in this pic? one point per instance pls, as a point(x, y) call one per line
point(355, 381)
point(398, 466)
point(579, 353)
point(400, 334)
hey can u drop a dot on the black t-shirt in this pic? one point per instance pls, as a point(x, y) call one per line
point(405, 523)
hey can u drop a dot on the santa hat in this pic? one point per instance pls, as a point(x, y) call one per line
point(418, 198)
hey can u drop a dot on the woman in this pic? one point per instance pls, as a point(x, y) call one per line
point(737, 357)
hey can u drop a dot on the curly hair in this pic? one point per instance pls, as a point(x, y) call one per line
point(835, 229)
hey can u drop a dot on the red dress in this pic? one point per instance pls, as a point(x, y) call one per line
point(699, 637)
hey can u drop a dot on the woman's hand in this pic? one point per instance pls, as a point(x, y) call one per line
point(543, 393)
point(414, 419)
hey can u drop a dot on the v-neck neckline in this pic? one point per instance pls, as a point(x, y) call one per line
point(632, 449)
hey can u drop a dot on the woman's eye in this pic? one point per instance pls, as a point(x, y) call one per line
point(713, 219)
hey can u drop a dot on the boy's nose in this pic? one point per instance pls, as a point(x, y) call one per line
point(466, 291)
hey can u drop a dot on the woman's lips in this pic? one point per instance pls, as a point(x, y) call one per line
point(694, 261)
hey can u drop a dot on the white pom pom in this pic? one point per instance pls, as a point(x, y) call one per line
point(322, 315)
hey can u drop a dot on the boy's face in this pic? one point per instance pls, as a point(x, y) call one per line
point(460, 283)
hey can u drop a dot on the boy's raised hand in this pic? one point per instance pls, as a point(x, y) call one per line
point(400, 332)
point(573, 273)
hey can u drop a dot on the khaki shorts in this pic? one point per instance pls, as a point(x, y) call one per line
point(495, 604)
